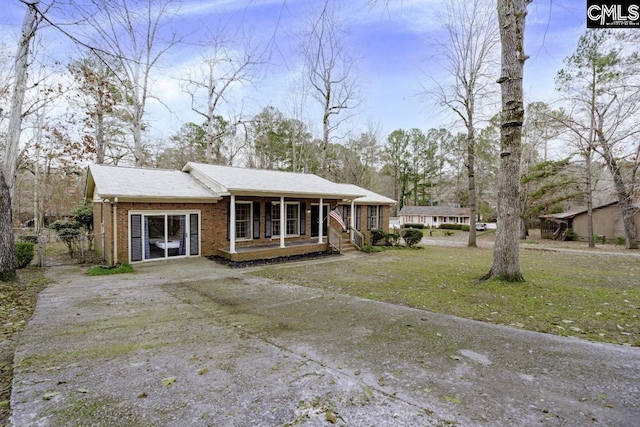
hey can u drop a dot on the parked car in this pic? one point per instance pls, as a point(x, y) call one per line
point(481, 226)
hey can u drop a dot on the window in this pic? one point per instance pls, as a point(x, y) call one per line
point(243, 220)
point(346, 215)
point(374, 217)
point(292, 220)
point(158, 235)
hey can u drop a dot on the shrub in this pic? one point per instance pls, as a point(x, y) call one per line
point(28, 238)
point(620, 240)
point(24, 254)
point(372, 249)
point(450, 226)
point(68, 232)
point(417, 225)
point(569, 234)
point(412, 236)
point(377, 235)
point(464, 227)
point(83, 215)
point(393, 239)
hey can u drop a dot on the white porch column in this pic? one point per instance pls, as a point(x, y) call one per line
point(352, 221)
point(283, 222)
point(320, 221)
point(232, 225)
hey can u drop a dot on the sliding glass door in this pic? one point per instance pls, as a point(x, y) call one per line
point(164, 235)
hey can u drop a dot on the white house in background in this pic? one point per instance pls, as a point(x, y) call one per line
point(434, 216)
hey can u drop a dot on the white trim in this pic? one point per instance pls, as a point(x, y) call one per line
point(286, 219)
point(242, 202)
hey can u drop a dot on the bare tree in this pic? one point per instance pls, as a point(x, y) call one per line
point(132, 37)
point(601, 78)
point(468, 56)
point(224, 66)
point(506, 254)
point(331, 72)
point(10, 157)
point(101, 100)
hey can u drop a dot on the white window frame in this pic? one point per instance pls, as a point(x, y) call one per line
point(275, 208)
point(235, 221)
point(166, 213)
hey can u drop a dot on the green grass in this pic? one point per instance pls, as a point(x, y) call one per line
point(101, 271)
point(595, 297)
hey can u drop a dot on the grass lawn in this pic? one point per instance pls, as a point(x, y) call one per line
point(595, 297)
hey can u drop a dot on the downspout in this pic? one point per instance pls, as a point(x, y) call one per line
point(115, 231)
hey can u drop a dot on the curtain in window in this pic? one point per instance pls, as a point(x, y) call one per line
point(147, 247)
point(182, 249)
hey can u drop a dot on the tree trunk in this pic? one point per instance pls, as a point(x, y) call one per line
point(7, 246)
point(589, 193)
point(506, 257)
point(471, 155)
point(624, 199)
point(10, 161)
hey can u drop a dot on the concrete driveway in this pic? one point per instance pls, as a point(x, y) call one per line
point(191, 343)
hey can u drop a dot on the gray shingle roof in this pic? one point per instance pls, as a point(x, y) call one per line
point(434, 211)
point(242, 181)
point(144, 184)
point(369, 196)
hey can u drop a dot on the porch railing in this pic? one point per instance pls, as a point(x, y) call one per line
point(334, 238)
point(358, 238)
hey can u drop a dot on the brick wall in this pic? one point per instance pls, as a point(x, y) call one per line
point(213, 220)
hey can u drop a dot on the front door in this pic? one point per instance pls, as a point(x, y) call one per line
point(315, 220)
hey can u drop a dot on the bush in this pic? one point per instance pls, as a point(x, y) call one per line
point(68, 232)
point(393, 239)
point(377, 235)
point(372, 249)
point(620, 240)
point(418, 226)
point(450, 226)
point(28, 239)
point(569, 234)
point(464, 227)
point(412, 236)
point(24, 254)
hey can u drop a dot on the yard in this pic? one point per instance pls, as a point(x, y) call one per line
point(594, 297)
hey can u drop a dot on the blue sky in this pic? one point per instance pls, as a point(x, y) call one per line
point(391, 44)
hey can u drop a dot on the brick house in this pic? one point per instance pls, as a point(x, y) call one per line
point(149, 214)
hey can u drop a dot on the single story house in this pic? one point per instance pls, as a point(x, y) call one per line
point(240, 214)
point(607, 222)
point(434, 216)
